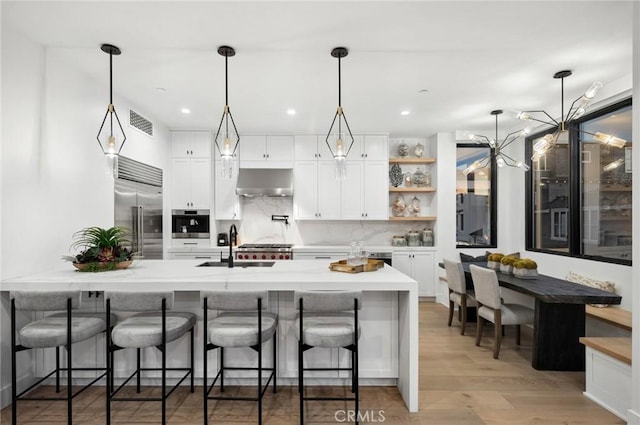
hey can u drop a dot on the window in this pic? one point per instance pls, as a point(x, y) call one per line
point(579, 193)
point(475, 198)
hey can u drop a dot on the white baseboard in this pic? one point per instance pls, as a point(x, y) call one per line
point(633, 418)
point(5, 392)
point(605, 405)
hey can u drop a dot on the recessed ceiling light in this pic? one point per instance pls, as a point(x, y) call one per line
point(405, 112)
point(423, 91)
point(291, 111)
point(185, 110)
point(161, 89)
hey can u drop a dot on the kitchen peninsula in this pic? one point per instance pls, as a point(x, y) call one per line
point(389, 342)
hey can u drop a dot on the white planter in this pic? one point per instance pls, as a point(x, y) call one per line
point(525, 273)
point(494, 265)
point(506, 269)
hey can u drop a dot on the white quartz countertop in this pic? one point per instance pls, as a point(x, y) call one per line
point(310, 248)
point(183, 275)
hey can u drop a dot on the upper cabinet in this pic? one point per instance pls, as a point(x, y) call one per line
point(196, 144)
point(191, 170)
point(266, 151)
point(361, 195)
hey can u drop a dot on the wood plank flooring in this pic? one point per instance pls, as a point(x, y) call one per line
point(460, 384)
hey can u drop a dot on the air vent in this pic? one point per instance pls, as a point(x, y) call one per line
point(141, 123)
point(135, 171)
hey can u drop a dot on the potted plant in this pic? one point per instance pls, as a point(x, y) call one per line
point(493, 260)
point(101, 249)
point(525, 268)
point(506, 264)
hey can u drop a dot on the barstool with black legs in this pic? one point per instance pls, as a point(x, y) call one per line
point(155, 326)
point(328, 319)
point(57, 330)
point(241, 322)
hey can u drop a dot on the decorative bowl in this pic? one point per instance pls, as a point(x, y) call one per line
point(120, 265)
point(525, 273)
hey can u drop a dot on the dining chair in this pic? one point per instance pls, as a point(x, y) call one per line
point(493, 309)
point(458, 293)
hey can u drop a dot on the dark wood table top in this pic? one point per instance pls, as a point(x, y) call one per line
point(552, 290)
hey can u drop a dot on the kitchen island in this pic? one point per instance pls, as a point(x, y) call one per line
point(389, 342)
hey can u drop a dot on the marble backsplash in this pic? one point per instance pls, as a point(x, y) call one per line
point(256, 226)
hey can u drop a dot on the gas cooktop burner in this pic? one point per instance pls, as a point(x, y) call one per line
point(266, 246)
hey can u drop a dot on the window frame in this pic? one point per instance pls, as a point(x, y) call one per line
point(575, 190)
point(493, 219)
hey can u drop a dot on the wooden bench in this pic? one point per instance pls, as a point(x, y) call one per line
point(612, 315)
point(608, 372)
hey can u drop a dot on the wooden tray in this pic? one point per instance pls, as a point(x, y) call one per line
point(342, 266)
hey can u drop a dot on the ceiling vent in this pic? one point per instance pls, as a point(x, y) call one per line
point(141, 123)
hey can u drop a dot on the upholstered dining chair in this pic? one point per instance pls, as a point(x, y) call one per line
point(62, 329)
point(154, 324)
point(328, 319)
point(458, 294)
point(241, 322)
point(491, 307)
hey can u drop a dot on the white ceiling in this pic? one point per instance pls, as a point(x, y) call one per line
point(472, 57)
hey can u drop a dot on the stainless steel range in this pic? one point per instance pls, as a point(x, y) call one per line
point(274, 251)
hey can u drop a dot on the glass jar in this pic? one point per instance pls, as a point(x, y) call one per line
point(408, 182)
point(418, 150)
point(403, 149)
point(427, 236)
point(414, 207)
point(398, 240)
point(399, 207)
point(419, 178)
point(413, 238)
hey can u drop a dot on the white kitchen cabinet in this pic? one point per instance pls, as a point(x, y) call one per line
point(328, 256)
point(364, 191)
point(316, 191)
point(191, 183)
point(190, 243)
point(266, 151)
point(226, 202)
point(205, 254)
point(311, 148)
point(419, 266)
point(191, 144)
point(372, 147)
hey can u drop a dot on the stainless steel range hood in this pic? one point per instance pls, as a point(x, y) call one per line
point(265, 182)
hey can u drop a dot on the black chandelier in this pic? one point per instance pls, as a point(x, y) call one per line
point(111, 148)
point(337, 131)
point(227, 152)
point(576, 110)
point(497, 149)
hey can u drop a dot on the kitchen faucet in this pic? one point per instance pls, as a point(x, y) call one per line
point(233, 238)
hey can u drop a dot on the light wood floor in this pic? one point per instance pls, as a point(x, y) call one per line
point(459, 384)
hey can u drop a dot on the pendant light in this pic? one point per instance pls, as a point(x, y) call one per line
point(577, 109)
point(109, 143)
point(228, 136)
point(497, 149)
point(339, 132)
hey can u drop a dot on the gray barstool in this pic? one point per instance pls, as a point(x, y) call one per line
point(155, 326)
point(491, 307)
point(241, 322)
point(458, 294)
point(54, 331)
point(328, 319)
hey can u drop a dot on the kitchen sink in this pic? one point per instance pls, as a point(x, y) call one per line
point(242, 264)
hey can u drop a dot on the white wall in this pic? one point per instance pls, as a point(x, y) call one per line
point(53, 172)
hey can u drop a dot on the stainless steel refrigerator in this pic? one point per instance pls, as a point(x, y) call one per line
point(138, 206)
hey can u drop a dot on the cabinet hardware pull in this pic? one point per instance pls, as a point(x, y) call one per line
point(318, 257)
point(366, 155)
point(203, 258)
point(190, 243)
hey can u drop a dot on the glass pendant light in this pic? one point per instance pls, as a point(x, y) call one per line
point(497, 149)
point(227, 136)
point(339, 133)
point(111, 142)
point(576, 110)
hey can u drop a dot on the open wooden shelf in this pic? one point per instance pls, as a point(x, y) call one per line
point(425, 218)
point(412, 160)
point(412, 189)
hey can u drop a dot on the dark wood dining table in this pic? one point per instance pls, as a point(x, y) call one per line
point(559, 316)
